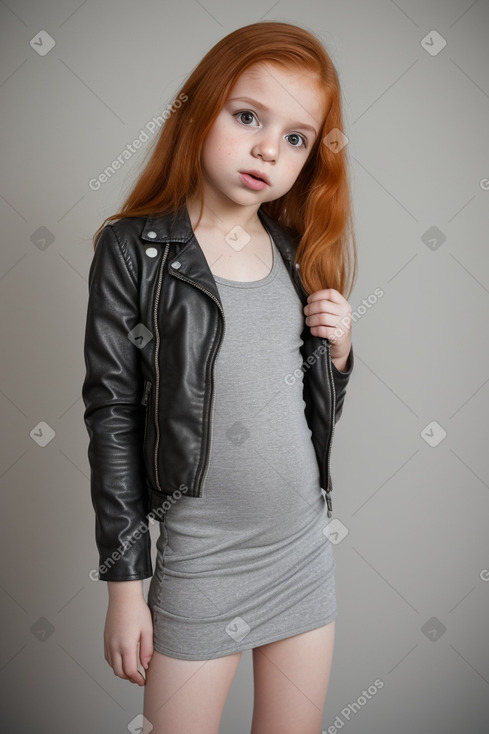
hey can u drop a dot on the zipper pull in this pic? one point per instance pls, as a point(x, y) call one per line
point(147, 388)
point(329, 503)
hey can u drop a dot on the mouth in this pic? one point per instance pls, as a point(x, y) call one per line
point(258, 176)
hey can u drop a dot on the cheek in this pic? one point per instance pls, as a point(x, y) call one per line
point(218, 146)
point(213, 159)
point(294, 167)
point(210, 153)
point(217, 152)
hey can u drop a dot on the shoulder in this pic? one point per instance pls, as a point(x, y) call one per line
point(126, 230)
point(118, 247)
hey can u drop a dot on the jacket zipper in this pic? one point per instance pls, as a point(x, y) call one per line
point(144, 401)
point(157, 366)
point(210, 412)
point(329, 488)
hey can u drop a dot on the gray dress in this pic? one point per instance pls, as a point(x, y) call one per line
point(249, 563)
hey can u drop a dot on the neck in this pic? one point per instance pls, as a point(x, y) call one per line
point(224, 218)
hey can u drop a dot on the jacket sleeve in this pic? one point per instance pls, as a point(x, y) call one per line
point(114, 416)
point(341, 380)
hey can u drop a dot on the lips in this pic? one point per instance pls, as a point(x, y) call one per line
point(258, 175)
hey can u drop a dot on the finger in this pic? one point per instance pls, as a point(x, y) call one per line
point(330, 294)
point(323, 305)
point(117, 665)
point(107, 654)
point(325, 332)
point(130, 666)
point(336, 334)
point(146, 647)
point(322, 319)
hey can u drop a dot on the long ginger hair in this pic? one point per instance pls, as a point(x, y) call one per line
point(317, 210)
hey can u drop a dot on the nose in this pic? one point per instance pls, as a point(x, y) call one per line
point(266, 146)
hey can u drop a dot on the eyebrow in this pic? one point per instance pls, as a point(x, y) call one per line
point(267, 109)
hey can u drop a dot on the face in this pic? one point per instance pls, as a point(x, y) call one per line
point(267, 126)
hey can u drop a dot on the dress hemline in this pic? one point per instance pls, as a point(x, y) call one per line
point(230, 651)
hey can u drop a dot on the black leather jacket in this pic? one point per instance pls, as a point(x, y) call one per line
point(154, 327)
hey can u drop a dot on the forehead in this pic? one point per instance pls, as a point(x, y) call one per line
point(296, 92)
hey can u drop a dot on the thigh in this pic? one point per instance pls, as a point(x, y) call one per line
point(291, 678)
point(183, 695)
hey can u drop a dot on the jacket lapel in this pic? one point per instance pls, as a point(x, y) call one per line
point(189, 259)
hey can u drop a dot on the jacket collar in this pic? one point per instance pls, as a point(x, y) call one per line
point(190, 259)
point(177, 227)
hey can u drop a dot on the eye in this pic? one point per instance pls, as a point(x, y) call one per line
point(296, 137)
point(245, 113)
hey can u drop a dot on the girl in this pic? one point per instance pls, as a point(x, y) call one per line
point(218, 352)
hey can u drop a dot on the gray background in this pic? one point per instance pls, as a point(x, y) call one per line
point(412, 555)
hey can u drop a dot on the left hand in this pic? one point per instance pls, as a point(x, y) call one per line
point(328, 314)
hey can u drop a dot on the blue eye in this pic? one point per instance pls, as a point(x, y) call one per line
point(244, 112)
point(301, 139)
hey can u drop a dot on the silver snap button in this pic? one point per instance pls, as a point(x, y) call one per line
point(151, 251)
point(297, 266)
point(151, 234)
point(176, 265)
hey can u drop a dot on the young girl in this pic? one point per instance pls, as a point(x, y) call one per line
point(218, 352)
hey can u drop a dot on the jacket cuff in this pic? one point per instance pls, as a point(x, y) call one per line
point(341, 380)
point(344, 374)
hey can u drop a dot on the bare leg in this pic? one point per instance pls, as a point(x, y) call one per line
point(291, 679)
point(182, 695)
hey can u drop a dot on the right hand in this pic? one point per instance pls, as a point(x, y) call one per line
point(128, 623)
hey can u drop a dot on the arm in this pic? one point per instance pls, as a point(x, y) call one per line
point(114, 416)
point(322, 308)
